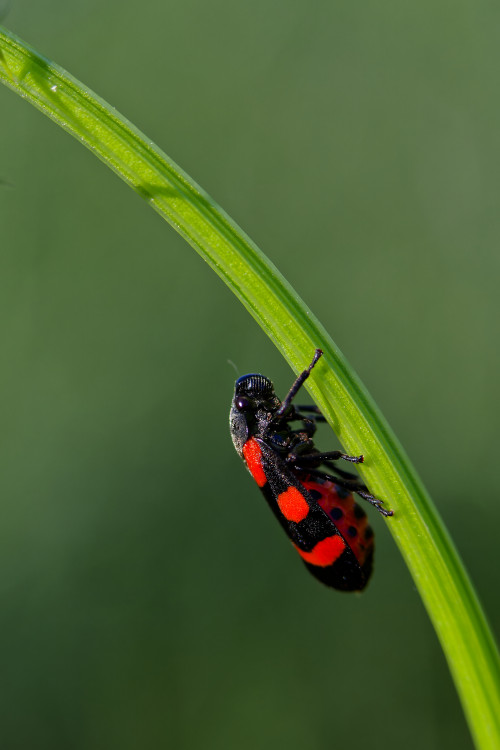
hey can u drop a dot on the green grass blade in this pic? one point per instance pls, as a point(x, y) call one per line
point(418, 530)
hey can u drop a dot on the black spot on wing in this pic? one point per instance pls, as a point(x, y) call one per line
point(315, 494)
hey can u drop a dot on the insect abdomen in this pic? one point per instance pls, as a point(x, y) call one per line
point(349, 518)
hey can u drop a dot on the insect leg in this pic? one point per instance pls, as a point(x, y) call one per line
point(320, 458)
point(358, 489)
point(296, 387)
point(313, 410)
point(342, 473)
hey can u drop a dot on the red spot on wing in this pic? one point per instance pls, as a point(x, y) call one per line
point(293, 505)
point(325, 552)
point(252, 454)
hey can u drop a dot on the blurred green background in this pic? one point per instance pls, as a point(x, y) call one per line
point(148, 598)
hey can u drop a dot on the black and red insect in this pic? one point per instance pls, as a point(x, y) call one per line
point(329, 530)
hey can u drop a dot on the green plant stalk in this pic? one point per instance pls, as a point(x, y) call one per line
point(433, 561)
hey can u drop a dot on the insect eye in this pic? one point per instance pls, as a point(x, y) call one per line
point(243, 403)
